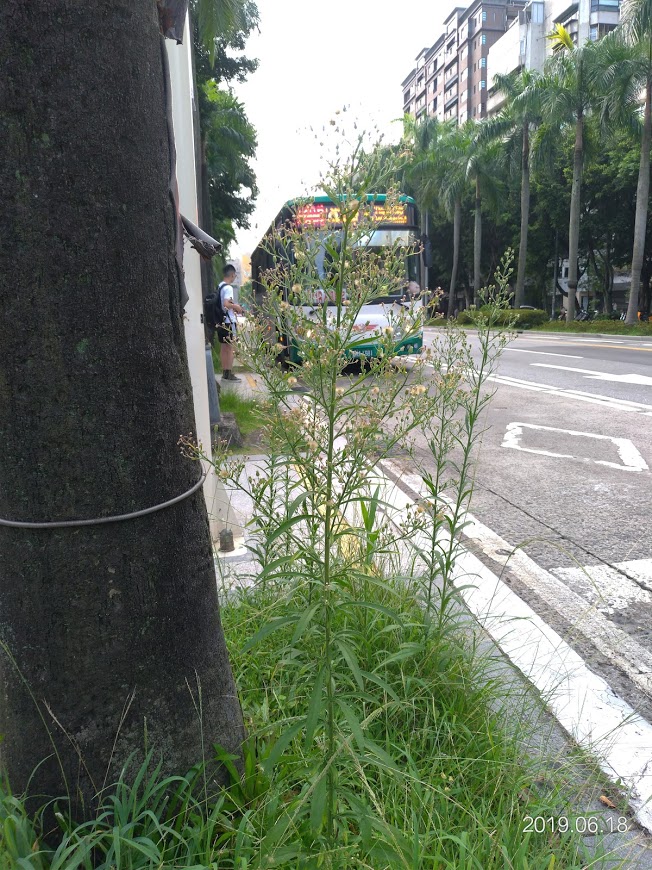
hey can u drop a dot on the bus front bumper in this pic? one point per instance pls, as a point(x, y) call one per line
point(407, 347)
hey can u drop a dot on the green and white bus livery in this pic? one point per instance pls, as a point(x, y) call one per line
point(394, 227)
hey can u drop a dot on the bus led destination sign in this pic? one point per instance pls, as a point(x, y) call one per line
point(319, 214)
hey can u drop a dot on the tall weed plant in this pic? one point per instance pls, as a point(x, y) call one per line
point(358, 667)
point(376, 732)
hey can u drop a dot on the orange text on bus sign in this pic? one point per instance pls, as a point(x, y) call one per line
point(318, 214)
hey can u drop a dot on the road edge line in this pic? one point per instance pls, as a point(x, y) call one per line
point(580, 700)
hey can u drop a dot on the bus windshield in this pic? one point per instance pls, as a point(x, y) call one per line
point(386, 232)
point(380, 242)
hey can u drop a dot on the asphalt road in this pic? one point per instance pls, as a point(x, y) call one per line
point(565, 473)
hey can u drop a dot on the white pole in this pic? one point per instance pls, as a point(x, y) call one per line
point(220, 512)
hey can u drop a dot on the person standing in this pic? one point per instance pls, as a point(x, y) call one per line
point(227, 331)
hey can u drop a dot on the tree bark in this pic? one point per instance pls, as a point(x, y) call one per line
point(574, 222)
point(640, 221)
point(457, 225)
point(94, 394)
point(477, 243)
point(519, 294)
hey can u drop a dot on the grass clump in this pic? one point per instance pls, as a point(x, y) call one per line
point(425, 772)
point(248, 410)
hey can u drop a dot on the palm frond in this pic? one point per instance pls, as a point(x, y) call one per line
point(561, 39)
point(222, 18)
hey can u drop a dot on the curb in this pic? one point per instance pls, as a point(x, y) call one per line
point(612, 335)
point(618, 336)
point(584, 705)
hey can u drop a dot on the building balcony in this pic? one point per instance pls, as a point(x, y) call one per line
point(452, 80)
point(450, 101)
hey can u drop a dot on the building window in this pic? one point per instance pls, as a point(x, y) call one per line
point(483, 39)
point(475, 66)
point(474, 88)
point(484, 16)
point(483, 62)
point(483, 84)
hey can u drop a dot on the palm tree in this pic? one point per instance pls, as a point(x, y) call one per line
point(628, 73)
point(420, 173)
point(514, 126)
point(437, 172)
point(482, 167)
point(220, 18)
point(453, 150)
point(568, 94)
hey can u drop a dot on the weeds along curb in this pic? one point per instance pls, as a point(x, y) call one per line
point(584, 705)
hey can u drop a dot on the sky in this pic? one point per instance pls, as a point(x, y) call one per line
point(315, 59)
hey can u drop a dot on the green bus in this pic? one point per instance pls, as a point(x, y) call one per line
point(395, 225)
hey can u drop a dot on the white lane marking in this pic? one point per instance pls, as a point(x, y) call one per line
point(579, 395)
point(641, 569)
point(641, 380)
point(583, 702)
point(599, 340)
point(542, 353)
point(631, 459)
point(607, 587)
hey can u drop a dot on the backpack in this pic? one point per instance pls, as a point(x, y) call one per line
point(213, 311)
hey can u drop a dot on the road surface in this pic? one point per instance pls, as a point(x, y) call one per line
point(565, 473)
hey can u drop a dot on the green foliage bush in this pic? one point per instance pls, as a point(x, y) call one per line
point(525, 317)
point(609, 327)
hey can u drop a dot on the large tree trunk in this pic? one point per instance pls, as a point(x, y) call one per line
point(574, 221)
point(457, 226)
point(642, 194)
point(477, 243)
point(94, 394)
point(519, 295)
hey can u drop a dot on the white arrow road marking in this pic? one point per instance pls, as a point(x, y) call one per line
point(583, 702)
point(542, 353)
point(641, 380)
point(631, 458)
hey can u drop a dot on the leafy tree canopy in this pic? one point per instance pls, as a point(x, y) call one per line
point(228, 139)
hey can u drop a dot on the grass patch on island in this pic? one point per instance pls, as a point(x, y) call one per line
point(248, 410)
point(610, 327)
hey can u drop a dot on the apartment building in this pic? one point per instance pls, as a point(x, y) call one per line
point(453, 77)
point(525, 46)
point(450, 79)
